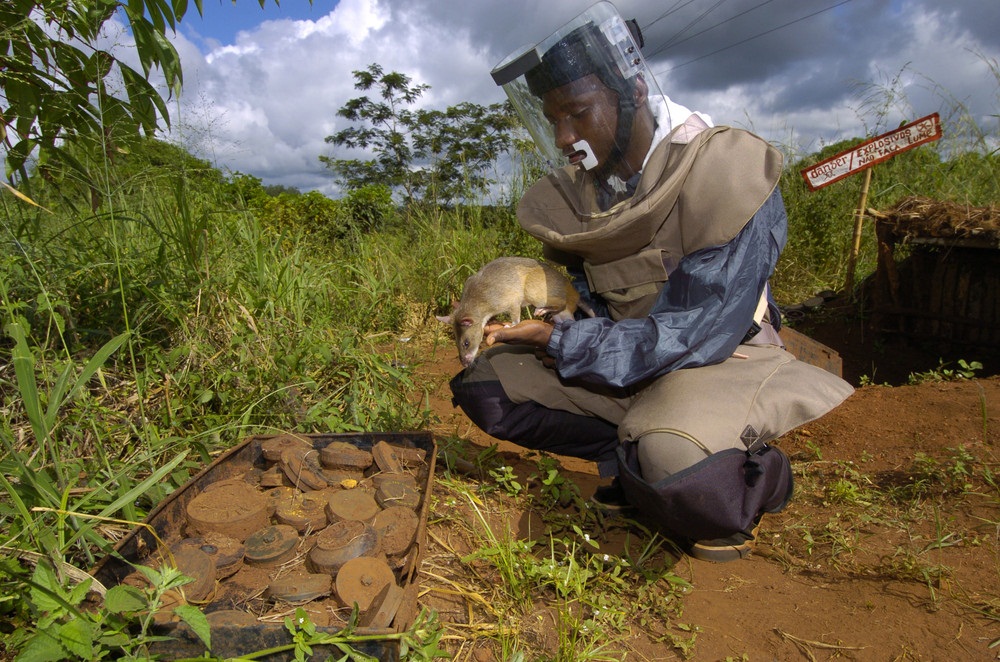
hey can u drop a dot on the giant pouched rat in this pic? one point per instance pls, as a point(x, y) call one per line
point(506, 285)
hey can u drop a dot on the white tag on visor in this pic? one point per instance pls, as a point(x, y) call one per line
point(589, 161)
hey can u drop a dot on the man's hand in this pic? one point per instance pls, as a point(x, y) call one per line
point(529, 332)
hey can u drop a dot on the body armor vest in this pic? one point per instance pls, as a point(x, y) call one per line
point(689, 197)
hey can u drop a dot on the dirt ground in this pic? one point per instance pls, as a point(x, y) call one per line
point(889, 550)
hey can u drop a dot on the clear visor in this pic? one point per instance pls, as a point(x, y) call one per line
point(591, 105)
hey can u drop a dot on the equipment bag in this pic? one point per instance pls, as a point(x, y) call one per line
point(719, 496)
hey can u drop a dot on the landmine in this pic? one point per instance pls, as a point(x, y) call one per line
point(329, 523)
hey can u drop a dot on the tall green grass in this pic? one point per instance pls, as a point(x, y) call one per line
point(963, 167)
point(158, 313)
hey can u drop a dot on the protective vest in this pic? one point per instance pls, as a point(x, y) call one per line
point(689, 197)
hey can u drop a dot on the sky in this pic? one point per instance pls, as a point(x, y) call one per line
point(262, 87)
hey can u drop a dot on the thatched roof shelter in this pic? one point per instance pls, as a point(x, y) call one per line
point(948, 287)
point(920, 217)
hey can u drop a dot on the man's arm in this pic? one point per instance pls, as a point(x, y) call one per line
point(703, 312)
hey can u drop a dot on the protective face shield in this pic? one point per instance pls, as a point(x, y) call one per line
point(584, 93)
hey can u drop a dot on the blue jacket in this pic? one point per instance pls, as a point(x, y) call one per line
point(699, 318)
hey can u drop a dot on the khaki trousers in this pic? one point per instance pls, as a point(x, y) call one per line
point(684, 416)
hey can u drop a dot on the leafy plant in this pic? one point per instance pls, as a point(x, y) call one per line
point(965, 370)
point(507, 480)
point(58, 84)
point(65, 629)
point(419, 642)
point(462, 142)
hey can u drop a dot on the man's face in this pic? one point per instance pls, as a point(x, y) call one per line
point(584, 109)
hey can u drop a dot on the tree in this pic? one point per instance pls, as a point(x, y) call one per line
point(386, 128)
point(463, 142)
point(57, 86)
point(435, 154)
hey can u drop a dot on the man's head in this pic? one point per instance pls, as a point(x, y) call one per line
point(583, 94)
point(587, 99)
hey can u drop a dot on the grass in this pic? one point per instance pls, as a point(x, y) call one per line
point(897, 529)
point(155, 316)
point(558, 592)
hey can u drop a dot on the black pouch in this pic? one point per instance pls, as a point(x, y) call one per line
point(719, 496)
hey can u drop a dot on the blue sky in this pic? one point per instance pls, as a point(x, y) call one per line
point(263, 86)
point(222, 19)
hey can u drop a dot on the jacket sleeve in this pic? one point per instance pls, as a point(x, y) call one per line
point(702, 313)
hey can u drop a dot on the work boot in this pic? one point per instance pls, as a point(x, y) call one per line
point(611, 498)
point(731, 548)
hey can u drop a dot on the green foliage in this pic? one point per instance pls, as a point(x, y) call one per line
point(463, 143)
point(312, 214)
point(441, 156)
point(419, 642)
point(64, 629)
point(965, 370)
point(594, 597)
point(58, 85)
point(368, 208)
point(385, 129)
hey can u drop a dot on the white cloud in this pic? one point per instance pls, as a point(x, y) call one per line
point(264, 104)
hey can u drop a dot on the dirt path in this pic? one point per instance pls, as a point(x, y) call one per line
point(889, 551)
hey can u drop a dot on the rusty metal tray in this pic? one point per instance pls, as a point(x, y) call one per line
point(168, 519)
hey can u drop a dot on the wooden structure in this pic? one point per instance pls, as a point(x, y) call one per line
point(938, 273)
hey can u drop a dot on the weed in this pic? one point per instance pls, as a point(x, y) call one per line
point(907, 565)
point(965, 370)
point(506, 479)
point(843, 491)
point(556, 490)
point(64, 629)
point(817, 452)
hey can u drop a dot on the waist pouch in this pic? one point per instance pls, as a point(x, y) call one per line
point(719, 496)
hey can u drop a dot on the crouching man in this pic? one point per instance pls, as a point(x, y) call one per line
point(670, 228)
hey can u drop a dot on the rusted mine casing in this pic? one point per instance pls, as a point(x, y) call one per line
point(252, 514)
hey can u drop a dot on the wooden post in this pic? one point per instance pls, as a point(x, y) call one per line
point(852, 259)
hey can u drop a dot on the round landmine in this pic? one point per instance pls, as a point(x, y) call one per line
point(234, 509)
point(303, 511)
point(272, 545)
point(170, 600)
point(230, 618)
point(360, 581)
point(199, 566)
point(384, 607)
point(226, 482)
point(253, 476)
point(272, 448)
point(277, 496)
point(227, 553)
point(385, 458)
point(273, 477)
point(300, 588)
point(396, 527)
point(301, 465)
point(399, 477)
point(339, 543)
point(409, 455)
point(397, 493)
point(345, 455)
point(356, 504)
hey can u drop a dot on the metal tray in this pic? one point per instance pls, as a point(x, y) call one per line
point(169, 518)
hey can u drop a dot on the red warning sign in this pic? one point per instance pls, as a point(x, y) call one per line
point(876, 150)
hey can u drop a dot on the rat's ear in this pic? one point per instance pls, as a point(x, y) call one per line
point(446, 320)
point(466, 321)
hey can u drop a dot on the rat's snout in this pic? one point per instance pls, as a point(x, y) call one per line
point(468, 357)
